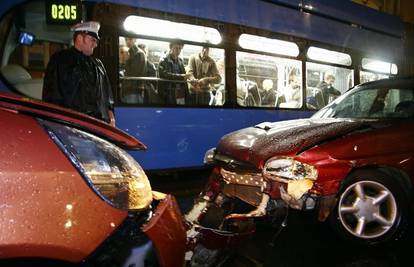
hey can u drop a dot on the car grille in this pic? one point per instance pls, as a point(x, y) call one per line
point(245, 178)
point(246, 186)
point(232, 164)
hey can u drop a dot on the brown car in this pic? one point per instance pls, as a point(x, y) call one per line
point(352, 163)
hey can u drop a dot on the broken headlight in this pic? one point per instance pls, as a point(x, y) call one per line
point(285, 168)
point(209, 156)
point(112, 173)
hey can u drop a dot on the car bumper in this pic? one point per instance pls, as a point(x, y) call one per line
point(161, 241)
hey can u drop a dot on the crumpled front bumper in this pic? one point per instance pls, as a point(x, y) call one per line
point(226, 212)
point(212, 232)
point(211, 235)
point(167, 231)
point(296, 193)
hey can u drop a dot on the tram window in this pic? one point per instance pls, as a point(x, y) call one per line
point(379, 66)
point(268, 45)
point(141, 82)
point(324, 83)
point(329, 56)
point(366, 76)
point(268, 81)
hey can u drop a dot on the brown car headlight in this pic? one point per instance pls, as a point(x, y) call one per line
point(286, 168)
point(112, 172)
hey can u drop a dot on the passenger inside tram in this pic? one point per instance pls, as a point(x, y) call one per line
point(204, 75)
point(327, 92)
point(324, 83)
point(135, 66)
point(291, 95)
point(269, 95)
point(150, 86)
point(170, 68)
point(123, 57)
point(218, 95)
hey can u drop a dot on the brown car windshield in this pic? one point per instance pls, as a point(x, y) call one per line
point(381, 103)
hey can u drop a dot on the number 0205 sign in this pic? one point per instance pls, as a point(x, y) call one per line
point(63, 12)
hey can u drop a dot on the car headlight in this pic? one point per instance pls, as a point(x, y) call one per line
point(209, 156)
point(113, 174)
point(285, 168)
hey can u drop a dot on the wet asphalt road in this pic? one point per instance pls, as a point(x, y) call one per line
point(303, 242)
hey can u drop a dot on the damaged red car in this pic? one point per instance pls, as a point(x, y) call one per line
point(72, 196)
point(351, 163)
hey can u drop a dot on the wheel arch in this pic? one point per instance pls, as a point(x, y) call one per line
point(402, 178)
point(403, 181)
point(398, 181)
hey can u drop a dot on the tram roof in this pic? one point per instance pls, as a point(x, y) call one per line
point(349, 12)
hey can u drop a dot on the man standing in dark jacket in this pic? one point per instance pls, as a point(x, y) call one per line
point(327, 92)
point(172, 68)
point(76, 80)
point(135, 67)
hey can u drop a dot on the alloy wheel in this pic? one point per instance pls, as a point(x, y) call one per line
point(367, 209)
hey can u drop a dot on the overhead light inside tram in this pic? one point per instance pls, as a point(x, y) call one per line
point(379, 66)
point(268, 45)
point(172, 30)
point(329, 56)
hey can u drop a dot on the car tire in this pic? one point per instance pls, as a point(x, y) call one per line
point(372, 209)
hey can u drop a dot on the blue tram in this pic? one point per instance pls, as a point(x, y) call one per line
point(271, 57)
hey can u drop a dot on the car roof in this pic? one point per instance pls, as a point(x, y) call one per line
point(393, 81)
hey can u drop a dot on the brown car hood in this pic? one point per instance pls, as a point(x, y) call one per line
point(75, 119)
point(257, 144)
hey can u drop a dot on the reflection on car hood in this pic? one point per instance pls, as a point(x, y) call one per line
point(257, 144)
point(67, 116)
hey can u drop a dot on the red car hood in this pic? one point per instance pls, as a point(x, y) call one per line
point(45, 110)
point(257, 144)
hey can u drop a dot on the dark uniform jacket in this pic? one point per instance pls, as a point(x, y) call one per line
point(79, 82)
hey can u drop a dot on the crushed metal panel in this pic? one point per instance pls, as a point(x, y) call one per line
point(249, 194)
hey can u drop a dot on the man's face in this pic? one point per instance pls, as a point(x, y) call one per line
point(130, 42)
point(330, 80)
point(123, 54)
point(176, 50)
point(294, 81)
point(205, 51)
point(88, 44)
